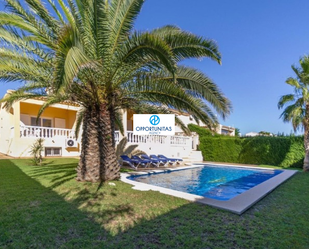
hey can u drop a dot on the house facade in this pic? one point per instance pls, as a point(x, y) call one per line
point(225, 130)
point(20, 128)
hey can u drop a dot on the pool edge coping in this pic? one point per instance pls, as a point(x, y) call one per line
point(238, 205)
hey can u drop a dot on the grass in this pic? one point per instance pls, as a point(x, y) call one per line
point(44, 207)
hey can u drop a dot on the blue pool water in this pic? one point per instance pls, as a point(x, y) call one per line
point(216, 182)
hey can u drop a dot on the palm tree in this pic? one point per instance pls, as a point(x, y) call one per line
point(297, 104)
point(89, 53)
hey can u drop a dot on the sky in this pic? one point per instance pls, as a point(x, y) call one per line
point(259, 41)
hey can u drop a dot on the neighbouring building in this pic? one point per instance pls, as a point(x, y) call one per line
point(252, 134)
point(225, 130)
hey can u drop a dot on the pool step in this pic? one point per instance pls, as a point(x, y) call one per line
point(194, 157)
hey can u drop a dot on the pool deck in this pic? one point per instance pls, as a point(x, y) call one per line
point(3, 156)
point(238, 204)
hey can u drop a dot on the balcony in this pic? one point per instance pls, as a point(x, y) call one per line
point(27, 131)
point(175, 141)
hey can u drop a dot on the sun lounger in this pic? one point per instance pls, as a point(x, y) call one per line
point(162, 161)
point(131, 162)
point(154, 162)
point(144, 162)
point(171, 160)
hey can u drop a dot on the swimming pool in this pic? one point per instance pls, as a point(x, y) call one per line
point(222, 187)
point(216, 182)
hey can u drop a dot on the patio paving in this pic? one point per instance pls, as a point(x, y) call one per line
point(2, 156)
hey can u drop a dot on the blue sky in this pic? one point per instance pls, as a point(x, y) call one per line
point(259, 41)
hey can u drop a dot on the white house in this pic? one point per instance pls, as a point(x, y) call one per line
point(19, 130)
point(252, 134)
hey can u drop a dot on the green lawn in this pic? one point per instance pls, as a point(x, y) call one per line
point(44, 207)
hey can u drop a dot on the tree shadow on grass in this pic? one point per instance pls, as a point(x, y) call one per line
point(34, 216)
point(60, 174)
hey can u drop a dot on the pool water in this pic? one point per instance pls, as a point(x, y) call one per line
point(216, 182)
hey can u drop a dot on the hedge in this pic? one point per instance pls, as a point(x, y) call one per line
point(219, 149)
point(281, 151)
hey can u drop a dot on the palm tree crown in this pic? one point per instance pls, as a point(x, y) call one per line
point(297, 104)
point(88, 52)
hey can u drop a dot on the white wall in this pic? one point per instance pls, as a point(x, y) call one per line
point(186, 120)
point(6, 130)
point(20, 147)
point(165, 149)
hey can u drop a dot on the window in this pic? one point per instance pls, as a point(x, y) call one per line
point(34, 123)
point(225, 132)
point(52, 151)
point(45, 122)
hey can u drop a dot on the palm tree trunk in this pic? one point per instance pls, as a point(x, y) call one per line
point(98, 160)
point(306, 143)
point(306, 138)
point(112, 119)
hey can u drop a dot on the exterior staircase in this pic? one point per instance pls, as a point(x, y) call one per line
point(194, 157)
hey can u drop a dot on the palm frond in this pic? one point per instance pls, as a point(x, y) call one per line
point(293, 82)
point(49, 100)
point(285, 99)
point(296, 105)
point(123, 149)
point(79, 121)
point(67, 12)
point(182, 126)
point(146, 47)
point(54, 7)
point(148, 90)
point(199, 85)
point(39, 9)
point(187, 45)
point(119, 122)
point(12, 97)
point(122, 17)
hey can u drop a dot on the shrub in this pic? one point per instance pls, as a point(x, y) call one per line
point(36, 151)
point(200, 130)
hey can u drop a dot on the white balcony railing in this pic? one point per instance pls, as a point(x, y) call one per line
point(157, 139)
point(27, 131)
point(145, 138)
point(45, 132)
point(181, 140)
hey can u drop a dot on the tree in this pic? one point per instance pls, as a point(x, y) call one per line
point(89, 53)
point(297, 104)
point(265, 133)
point(237, 132)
